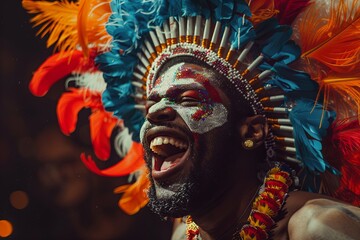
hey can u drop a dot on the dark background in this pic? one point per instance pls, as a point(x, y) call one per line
point(63, 200)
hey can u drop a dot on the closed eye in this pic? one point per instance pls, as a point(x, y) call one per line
point(190, 98)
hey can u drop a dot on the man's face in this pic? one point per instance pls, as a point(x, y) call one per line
point(186, 138)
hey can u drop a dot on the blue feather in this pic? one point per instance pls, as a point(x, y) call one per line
point(288, 53)
point(246, 33)
point(175, 7)
point(266, 27)
point(290, 81)
point(274, 43)
point(115, 65)
point(117, 99)
point(309, 131)
point(194, 8)
point(241, 7)
point(223, 10)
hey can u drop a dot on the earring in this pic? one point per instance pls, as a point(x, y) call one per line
point(248, 144)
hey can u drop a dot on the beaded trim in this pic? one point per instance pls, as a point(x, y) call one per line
point(213, 60)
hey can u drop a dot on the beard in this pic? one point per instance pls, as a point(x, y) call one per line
point(204, 183)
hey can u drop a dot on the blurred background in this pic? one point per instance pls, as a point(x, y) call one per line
point(45, 191)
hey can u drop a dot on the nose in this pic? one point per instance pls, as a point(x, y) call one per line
point(162, 115)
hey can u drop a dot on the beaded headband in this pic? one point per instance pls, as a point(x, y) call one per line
point(115, 48)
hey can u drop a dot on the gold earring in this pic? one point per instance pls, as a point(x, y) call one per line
point(248, 144)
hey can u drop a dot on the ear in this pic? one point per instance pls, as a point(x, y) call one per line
point(254, 128)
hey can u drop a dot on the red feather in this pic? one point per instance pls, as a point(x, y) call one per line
point(289, 9)
point(102, 123)
point(58, 66)
point(101, 126)
point(68, 107)
point(344, 138)
point(133, 161)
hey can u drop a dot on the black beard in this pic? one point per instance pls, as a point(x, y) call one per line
point(204, 184)
point(178, 203)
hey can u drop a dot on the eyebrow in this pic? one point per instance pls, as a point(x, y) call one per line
point(181, 88)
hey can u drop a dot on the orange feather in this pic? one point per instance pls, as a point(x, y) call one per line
point(134, 197)
point(343, 94)
point(70, 24)
point(92, 16)
point(331, 48)
point(261, 10)
point(334, 41)
point(58, 19)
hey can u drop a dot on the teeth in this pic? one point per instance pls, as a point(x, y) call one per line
point(166, 140)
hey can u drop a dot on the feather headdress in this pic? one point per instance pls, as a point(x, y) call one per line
point(251, 43)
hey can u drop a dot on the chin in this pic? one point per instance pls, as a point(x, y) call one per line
point(174, 200)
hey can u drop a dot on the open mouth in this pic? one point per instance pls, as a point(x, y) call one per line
point(168, 152)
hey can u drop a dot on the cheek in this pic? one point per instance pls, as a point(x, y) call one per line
point(143, 129)
point(200, 120)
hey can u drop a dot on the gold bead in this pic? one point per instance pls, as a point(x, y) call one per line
point(248, 144)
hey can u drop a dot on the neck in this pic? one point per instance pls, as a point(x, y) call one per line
point(221, 218)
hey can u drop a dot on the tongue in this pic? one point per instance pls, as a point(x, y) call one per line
point(171, 161)
point(165, 166)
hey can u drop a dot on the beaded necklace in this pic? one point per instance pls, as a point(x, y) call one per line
point(265, 208)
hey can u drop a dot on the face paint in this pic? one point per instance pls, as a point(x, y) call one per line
point(201, 117)
point(198, 120)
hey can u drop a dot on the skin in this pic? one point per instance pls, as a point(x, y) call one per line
point(225, 199)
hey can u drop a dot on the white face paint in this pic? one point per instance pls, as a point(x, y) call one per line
point(201, 117)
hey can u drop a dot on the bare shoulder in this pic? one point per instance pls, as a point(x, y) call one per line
point(314, 216)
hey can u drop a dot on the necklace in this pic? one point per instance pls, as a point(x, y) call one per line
point(265, 208)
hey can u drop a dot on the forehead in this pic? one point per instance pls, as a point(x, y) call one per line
point(185, 76)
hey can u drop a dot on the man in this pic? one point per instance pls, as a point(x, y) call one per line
point(235, 121)
point(201, 169)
